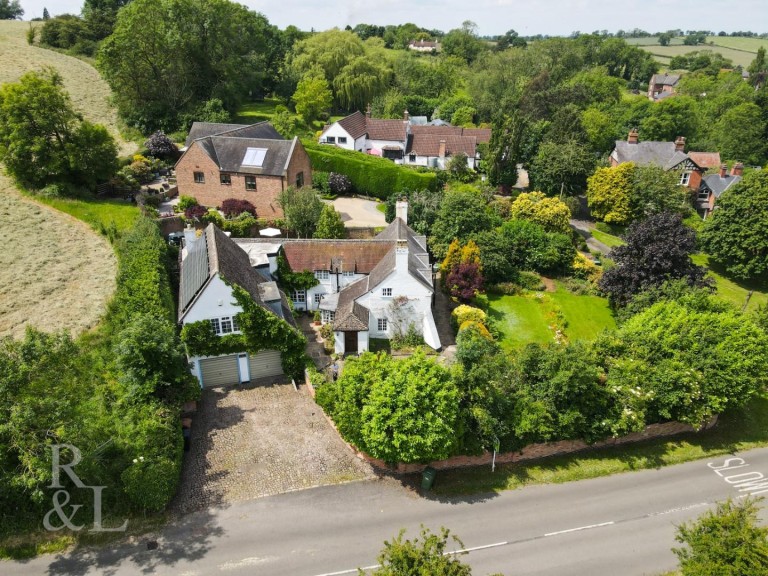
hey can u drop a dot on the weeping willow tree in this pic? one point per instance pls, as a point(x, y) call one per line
point(360, 81)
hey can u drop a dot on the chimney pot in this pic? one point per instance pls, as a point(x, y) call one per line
point(632, 138)
point(737, 169)
point(723, 170)
point(680, 144)
point(406, 115)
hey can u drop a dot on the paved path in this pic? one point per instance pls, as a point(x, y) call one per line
point(584, 228)
point(359, 213)
point(622, 524)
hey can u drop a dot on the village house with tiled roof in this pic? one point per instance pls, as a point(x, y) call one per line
point(713, 185)
point(375, 288)
point(211, 264)
point(246, 162)
point(408, 141)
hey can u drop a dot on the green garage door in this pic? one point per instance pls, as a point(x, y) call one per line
point(221, 371)
point(264, 364)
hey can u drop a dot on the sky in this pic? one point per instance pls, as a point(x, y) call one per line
point(528, 17)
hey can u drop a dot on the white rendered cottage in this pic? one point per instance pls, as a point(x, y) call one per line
point(210, 265)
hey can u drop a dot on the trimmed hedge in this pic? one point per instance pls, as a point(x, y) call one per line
point(370, 175)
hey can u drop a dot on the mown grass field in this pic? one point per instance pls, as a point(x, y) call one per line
point(738, 49)
point(528, 318)
point(57, 274)
point(89, 92)
point(101, 215)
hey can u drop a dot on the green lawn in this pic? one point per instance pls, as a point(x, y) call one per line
point(587, 316)
point(264, 110)
point(734, 292)
point(100, 214)
point(739, 429)
point(527, 318)
point(607, 239)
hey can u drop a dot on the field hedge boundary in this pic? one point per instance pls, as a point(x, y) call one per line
point(370, 175)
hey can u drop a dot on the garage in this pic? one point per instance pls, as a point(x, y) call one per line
point(265, 364)
point(219, 371)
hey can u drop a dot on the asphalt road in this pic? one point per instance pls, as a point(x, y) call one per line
point(623, 524)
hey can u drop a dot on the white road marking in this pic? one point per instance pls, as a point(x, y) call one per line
point(353, 571)
point(253, 561)
point(474, 549)
point(580, 528)
point(679, 509)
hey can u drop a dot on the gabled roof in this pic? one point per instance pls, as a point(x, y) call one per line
point(418, 257)
point(359, 256)
point(706, 159)
point(649, 152)
point(354, 124)
point(351, 316)
point(425, 144)
point(263, 130)
point(215, 253)
point(229, 152)
point(665, 79)
point(392, 130)
point(719, 184)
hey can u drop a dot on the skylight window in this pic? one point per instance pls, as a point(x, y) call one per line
point(254, 157)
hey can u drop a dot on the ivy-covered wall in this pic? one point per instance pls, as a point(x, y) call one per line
point(261, 330)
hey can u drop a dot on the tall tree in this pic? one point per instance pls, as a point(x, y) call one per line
point(312, 96)
point(10, 10)
point(561, 169)
point(43, 141)
point(302, 208)
point(758, 68)
point(736, 235)
point(166, 57)
point(657, 249)
point(330, 224)
point(728, 541)
point(504, 150)
point(46, 14)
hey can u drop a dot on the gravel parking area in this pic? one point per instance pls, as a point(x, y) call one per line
point(259, 440)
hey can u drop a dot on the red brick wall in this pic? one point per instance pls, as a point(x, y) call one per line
point(212, 193)
point(695, 181)
point(299, 163)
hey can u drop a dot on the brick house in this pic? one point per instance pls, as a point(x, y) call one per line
point(669, 155)
point(662, 86)
point(713, 185)
point(251, 163)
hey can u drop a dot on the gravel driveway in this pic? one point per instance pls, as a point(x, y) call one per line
point(259, 440)
point(359, 213)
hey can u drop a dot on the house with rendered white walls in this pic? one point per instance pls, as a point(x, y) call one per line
point(211, 264)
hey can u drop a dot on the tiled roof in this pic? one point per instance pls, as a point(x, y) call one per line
point(229, 152)
point(358, 256)
point(259, 130)
point(645, 153)
point(665, 79)
point(719, 184)
point(706, 159)
point(480, 134)
point(423, 144)
point(354, 124)
point(351, 316)
point(392, 130)
point(215, 253)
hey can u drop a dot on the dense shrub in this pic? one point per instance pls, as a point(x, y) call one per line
point(186, 202)
point(233, 207)
point(195, 212)
point(320, 181)
point(465, 313)
point(339, 183)
point(369, 175)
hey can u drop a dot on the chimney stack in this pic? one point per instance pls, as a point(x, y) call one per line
point(406, 116)
point(723, 170)
point(441, 150)
point(737, 169)
point(401, 210)
point(368, 111)
point(680, 144)
point(632, 138)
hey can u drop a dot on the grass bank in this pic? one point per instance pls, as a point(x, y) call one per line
point(740, 429)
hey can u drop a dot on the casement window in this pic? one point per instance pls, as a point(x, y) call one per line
point(386, 291)
point(382, 324)
point(685, 177)
point(250, 182)
point(703, 194)
point(299, 179)
point(411, 157)
point(199, 178)
point(299, 296)
point(348, 274)
point(330, 139)
point(225, 179)
point(342, 139)
point(318, 298)
point(327, 316)
point(322, 274)
point(226, 325)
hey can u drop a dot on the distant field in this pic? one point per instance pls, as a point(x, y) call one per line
point(57, 274)
point(89, 92)
point(740, 50)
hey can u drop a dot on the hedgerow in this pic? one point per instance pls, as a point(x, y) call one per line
point(370, 175)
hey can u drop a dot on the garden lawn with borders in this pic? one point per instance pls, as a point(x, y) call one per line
point(527, 318)
point(734, 292)
point(740, 429)
point(608, 239)
point(102, 215)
